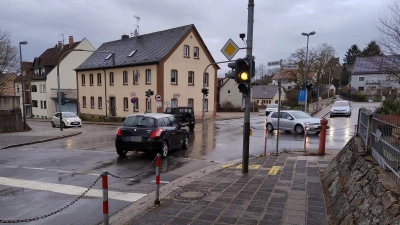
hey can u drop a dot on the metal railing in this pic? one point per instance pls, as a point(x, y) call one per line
point(381, 136)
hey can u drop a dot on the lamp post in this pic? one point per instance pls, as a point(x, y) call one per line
point(306, 69)
point(329, 83)
point(22, 81)
point(58, 77)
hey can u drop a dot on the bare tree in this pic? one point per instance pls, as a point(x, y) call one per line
point(261, 71)
point(8, 54)
point(388, 26)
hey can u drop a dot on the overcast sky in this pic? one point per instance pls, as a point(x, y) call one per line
point(278, 24)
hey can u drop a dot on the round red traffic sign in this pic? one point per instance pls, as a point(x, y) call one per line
point(158, 97)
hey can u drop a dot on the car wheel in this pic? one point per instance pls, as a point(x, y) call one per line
point(64, 125)
point(164, 150)
point(52, 124)
point(121, 152)
point(191, 126)
point(79, 126)
point(185, 142)
point(299, 129)
point(270, 128)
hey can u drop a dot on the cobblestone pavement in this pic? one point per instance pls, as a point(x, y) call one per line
point(282, 189)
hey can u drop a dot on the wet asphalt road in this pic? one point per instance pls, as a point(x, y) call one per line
point(38, 179)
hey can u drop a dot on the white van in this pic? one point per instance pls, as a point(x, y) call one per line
point(271, 108)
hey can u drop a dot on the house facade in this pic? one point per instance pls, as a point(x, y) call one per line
point(170, 63)
point(372, 74)
point(229, 92)
point(267, 94)
point(44, 80)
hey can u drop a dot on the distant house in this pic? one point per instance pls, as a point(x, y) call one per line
point(228, 92)
point(290, 78)
point(44, 82)
point(171, 63)
point(267, 94)
point(7, 84)
point(371, 74)
point(27, 73)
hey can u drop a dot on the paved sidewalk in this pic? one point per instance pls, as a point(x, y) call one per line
point(282, 189)
point(9, 140)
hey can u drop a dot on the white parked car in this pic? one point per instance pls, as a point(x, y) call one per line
point(341, 108)
point(271, 108)
point(69, 119)
point(292, 120)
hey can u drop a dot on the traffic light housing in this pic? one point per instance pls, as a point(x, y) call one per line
point(149, 93)
point(204, 91)
point(310, 86)
point(63, 98)
point(240, 70)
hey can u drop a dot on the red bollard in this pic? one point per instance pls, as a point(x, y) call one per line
point(158, 165)
point(323, 127)
point(104, 184)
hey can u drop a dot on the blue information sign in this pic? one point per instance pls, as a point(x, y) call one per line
point(133, 100)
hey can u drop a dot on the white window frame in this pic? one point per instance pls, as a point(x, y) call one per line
point(125, 77)
point(100, 102)
point(84, 101)
point(196, 52)
point(92, 102)
point(99, 79)
point(359, 79)
point(111, 75)
point(148, 76)
point(174, 102)
point(44, 88)
point(191, 73)
point(83, 79)
point(126, 104)
point(174, 75)
point(206, 78)
point(186, 51)
point(190, 102)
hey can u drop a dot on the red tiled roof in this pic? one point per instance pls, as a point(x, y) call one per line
point(51, 56)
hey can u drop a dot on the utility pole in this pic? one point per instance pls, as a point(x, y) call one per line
point(329, 85)
point(279, 105)
point(249, 55)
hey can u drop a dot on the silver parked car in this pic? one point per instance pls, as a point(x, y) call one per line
point(341, 108)
point(292, 120)
point(69, 119)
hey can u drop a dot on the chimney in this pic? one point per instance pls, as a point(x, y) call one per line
point(71, 41)
point(59, 44)
point(124, 37)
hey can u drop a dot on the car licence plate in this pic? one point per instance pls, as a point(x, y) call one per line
point(136, 138)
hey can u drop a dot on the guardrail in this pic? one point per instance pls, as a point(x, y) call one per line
point(381, 136)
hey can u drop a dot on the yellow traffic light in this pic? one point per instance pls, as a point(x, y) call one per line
point(243, 76)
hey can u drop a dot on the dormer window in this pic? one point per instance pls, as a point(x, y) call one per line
point(186, 51)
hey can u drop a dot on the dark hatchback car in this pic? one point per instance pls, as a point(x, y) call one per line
point(151, 133)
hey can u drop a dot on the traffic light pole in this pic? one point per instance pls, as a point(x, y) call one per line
point(246, 124)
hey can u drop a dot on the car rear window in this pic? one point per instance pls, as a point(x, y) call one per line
point(140, 121)
point(272, 106)
point(341, 104)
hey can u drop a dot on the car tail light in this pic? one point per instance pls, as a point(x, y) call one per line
point(156, 133)
point(119, 132)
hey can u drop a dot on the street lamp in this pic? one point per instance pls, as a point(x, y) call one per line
point(306, 69)
point(58, 76)
point(22, 81)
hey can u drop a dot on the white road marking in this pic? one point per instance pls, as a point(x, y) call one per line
point(164, 182)
point(52, 170)
point(69, 189)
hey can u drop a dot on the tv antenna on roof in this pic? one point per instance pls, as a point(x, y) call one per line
point(62, 34)
point(136, 33)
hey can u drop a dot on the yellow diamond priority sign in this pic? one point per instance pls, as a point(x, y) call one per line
point(230, 49)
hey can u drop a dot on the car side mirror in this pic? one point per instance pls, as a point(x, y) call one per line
point(289, 118)
point(331, 106)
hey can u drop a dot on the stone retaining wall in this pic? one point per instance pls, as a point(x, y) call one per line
point(358, 191)
point(11, 121)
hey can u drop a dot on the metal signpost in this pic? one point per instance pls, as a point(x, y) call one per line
point(278, 63)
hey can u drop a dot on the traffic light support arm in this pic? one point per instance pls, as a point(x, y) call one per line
point(204, 85)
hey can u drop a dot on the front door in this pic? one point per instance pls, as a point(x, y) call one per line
point(113, 108)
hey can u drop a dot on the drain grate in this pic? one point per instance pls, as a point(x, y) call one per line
point(191, 194)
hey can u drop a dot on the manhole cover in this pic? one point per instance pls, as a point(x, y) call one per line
point(191, 194)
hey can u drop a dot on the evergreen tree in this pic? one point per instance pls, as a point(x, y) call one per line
point(372, 49)
point(345, 76)
point(351, 55)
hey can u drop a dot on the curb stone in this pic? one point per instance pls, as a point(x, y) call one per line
point(43, 140)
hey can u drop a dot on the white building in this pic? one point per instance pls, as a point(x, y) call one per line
point(44, 101)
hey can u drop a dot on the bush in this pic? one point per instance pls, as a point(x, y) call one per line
point(391, 105)
point(228, 106)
